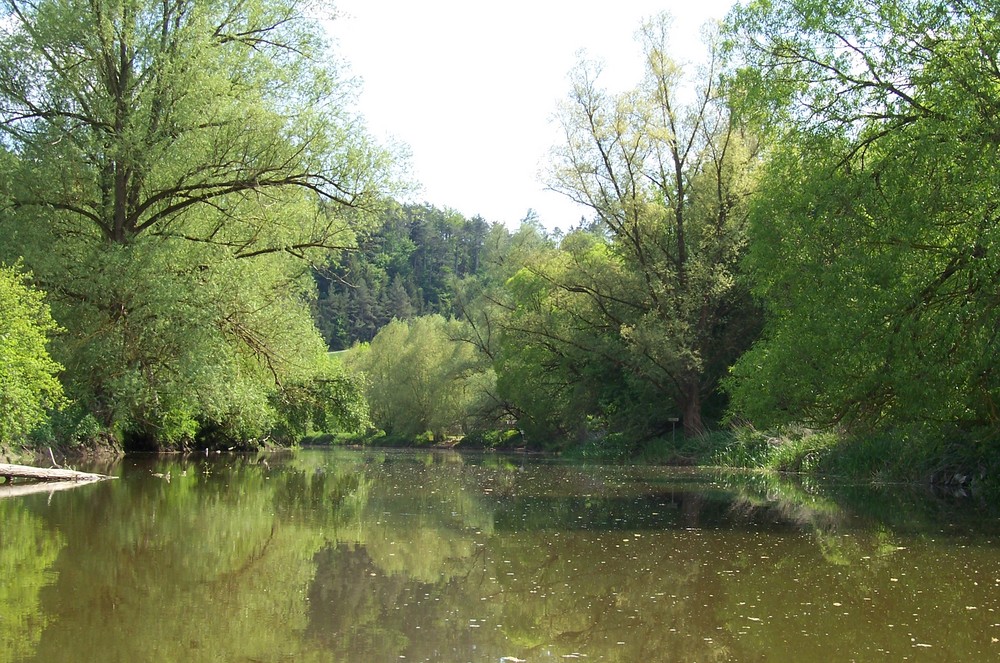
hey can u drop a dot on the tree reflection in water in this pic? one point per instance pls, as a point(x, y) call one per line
point(346, 556)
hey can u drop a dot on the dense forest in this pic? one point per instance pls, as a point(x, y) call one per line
point(794, 242)
point(405, 267)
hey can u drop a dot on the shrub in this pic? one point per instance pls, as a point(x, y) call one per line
point(29, 388)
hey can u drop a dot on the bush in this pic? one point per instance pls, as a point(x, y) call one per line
point(746, 447)
point(917, 454)
point(29, 388)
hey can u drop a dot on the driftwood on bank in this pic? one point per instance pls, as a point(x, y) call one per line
point(11, 472)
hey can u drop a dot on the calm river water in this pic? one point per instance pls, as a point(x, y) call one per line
point(374, 556)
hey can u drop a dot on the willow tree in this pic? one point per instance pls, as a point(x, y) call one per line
point(420, 379)
point(170, 167)
point(875, 234)
point(666, 168)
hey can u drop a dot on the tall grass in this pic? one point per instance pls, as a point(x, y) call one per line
point(919, 454)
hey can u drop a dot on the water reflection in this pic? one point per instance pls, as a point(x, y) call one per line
point(27, 552)
point(379, 556)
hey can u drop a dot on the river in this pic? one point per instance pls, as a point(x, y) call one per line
point(380, 556)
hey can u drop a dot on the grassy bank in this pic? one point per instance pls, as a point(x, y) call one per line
point(918, 455)
point(914, 456)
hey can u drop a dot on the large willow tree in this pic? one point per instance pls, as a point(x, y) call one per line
point(169, 169)
point(875, 235)
point(666, 168)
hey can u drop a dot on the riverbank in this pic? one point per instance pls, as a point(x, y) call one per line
point(959, 458)
point(921, 455)
point(59, 455)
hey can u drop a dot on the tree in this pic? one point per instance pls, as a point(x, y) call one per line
point(421, 379)
point(398, 300)
point(169, 167)
point(669, 182)
point(874, 236)
point(486, 306)
point(561, 362)
point(29, 386)
point(175, 119)
point(332, 400)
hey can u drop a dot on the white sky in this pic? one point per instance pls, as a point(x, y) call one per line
point(471, 86)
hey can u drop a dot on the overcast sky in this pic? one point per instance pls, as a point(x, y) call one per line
point(471, 87)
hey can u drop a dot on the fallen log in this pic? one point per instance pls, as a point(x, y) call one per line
point(11, 472)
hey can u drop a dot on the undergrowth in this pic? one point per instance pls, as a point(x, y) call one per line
point(920, 454)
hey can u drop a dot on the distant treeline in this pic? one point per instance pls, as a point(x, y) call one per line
point(406, 267)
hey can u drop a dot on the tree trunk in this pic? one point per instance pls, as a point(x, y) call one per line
point(11, 472)
point(691, 410)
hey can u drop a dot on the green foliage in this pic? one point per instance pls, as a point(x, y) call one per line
point(406, 267)
point(919, 454)
point(29, 387)
point(494, 439)
point(802, 451)
point(668, 182)
point(675, 448)
point(558, 362)
point(422, 383)
point(745, 448)
point(916, 454)
point(330, 401)
point(166, 169)
point(630, 320)
point(874, 234)
point(791, 449)
point(168, 349)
